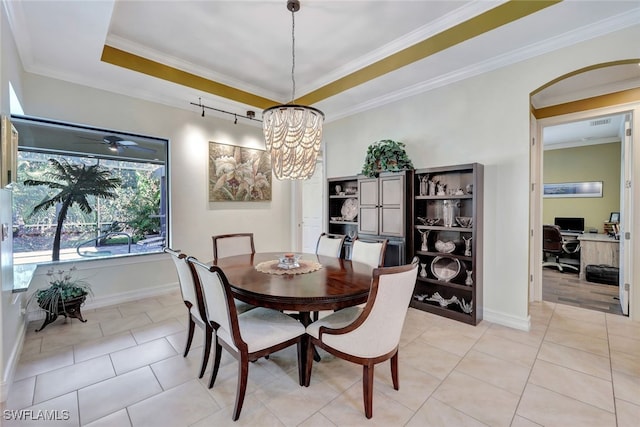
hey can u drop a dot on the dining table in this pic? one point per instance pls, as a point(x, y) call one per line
point(320, 283)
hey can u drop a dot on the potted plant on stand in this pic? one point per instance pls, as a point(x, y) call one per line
point(64, 296)
point(386, 156)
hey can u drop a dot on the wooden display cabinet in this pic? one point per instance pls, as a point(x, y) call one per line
point(343, 205)
point(449, 282)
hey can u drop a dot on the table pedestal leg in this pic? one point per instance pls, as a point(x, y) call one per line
point(305, 319)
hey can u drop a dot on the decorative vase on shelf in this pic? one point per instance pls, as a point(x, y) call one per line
point(338, 189)
point(467, 246)
point(449, 212)
point(423, 270)
point(432, 188)
point(425, 236)
point(469, 280)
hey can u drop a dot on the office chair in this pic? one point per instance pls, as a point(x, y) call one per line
point(554, 244)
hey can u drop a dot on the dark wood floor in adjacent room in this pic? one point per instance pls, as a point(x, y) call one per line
point(567, 288)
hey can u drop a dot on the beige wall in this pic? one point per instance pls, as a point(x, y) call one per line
point(483, 119)
point(589, 163)
point(11, 319)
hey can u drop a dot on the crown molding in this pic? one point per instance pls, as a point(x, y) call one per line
point(587, 32)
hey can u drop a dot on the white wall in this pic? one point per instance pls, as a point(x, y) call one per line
point(11, 319)
point(483, 119)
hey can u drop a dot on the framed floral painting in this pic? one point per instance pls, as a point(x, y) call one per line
point(238, 174)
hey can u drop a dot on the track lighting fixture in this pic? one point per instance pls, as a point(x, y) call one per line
point(251, 115)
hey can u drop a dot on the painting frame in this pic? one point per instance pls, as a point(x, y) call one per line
point(239, 174)
point(573, 189)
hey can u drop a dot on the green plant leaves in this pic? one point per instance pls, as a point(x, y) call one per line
point(386, 155)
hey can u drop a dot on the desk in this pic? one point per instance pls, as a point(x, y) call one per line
point(598, 249)
point(338, 284)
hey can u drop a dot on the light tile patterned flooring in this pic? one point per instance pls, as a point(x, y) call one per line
point(124, 367)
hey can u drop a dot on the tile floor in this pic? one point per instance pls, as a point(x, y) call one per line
point(124, 367)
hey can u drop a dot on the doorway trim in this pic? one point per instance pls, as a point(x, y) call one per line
point(536, 172)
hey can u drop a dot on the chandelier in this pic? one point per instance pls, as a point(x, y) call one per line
point(293, 133)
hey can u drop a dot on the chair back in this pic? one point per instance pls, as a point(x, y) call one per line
point(370, 253)
point(189, 287)
point(226, 245)
point(330, 245)
point(551, 238)
point(218, 302)
point(377, 331)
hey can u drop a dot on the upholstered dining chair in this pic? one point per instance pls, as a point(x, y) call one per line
point(369, 252)
point(247, 336)
point(371, 335)
point(192, 296)
point(330, 245)
point(225, 245)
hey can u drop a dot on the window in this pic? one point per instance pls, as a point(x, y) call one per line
point(130, 219)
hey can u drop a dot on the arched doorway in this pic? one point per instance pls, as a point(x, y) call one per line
point(611, 89)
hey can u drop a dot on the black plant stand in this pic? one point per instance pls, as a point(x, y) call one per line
point(71, 309)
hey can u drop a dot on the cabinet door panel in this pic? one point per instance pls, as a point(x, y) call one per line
point(391, 222)
point(368, 189)
point(368, 220)
point(392, 190)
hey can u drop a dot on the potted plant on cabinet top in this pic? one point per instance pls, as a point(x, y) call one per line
point(63, 297)
point(386, 156)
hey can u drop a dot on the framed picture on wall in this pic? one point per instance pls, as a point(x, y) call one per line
point(614, 217)
point(238, 173)
point(574, 189)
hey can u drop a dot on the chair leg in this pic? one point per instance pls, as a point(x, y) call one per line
point(309, 362)
point(243, 373)
point(394, 371)
point(301, 346)
point(216, 361)
point(206, 350)
point(367, 388)
point(192, 327)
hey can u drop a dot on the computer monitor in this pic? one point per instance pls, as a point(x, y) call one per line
point(575, 225)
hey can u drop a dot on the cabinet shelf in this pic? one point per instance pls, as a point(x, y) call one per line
point(468, 178)
point(452, 313)
point(344, 222)
point(446, 284)
point(453, 197)
point(446, 254)
point(345, 196)
point(443, 228)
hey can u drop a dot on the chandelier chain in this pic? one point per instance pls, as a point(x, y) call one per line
point(293, 55)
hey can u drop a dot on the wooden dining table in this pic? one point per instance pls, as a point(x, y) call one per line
point(337, 284)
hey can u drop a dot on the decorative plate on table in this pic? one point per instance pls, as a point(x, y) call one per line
point(349, 209)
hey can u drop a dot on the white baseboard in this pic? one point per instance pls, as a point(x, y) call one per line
point(508, 320)
point(123, 297)
point(119, 298)
point(9, 373)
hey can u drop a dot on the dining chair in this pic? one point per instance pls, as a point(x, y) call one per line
point(225, 245)
point(247, 336)
point(369, 252)
point(330, 245)
point(192, 296)
point(371, 335)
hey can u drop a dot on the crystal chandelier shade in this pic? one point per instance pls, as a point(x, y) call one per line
point(293, 135)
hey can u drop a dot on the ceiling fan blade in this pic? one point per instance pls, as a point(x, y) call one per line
point(113, 139)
